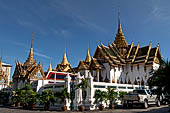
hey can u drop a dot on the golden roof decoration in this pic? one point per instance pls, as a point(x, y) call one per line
point(64, 61)
point(88, 57)
point(30, 60)
point(50, 67)
point(120, 40)
point(0, 64)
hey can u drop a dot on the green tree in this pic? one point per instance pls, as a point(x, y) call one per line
point(25, 93)
point(121, 94)
point(111, 95)
point(16, 97)
point(33, 99)
point(161, 78)
point(47, 98)
point(100, 96)
point(62, 96)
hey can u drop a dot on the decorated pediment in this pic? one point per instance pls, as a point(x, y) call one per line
point(38, 75)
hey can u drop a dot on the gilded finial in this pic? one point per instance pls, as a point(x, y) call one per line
point(88, 57)
point(1, 60)
point(1, 55)
point(50, 67)
point(64, 61)
point(119, 24)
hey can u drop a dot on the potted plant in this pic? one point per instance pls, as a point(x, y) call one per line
point(33, 99)
point(83, 86)
point(16, 97)
point(47, 98)
point(63, 95)
point(111, 96)
point(100, 96)
point(25, 93)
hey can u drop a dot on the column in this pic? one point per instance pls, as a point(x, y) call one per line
point(67, 85)
point(97, 72)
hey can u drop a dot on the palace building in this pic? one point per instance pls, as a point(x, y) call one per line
point(120, 62)
point(28, 71)
point(5, 70)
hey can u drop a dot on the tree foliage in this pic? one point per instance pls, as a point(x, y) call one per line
point(62, 95)
point(111, 95)
point(161, 78)
point(100, 96)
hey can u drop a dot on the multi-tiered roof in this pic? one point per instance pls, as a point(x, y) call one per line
point(120, 53)
point(29, 68)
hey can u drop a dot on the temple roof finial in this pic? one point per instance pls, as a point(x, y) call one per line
point(30, 59)
point(120, 40)
point(119, 24)
point(50, 67)
point(88, 57)
point(1, 61)
point(64, 61)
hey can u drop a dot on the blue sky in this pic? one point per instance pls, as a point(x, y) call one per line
point(75, 24)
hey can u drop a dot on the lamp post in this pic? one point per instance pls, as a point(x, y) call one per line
point(138, 80)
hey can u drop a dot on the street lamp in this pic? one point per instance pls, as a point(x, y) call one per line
point(138, 80)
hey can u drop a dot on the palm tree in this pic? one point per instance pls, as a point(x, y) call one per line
point(100, 96)
point(25, 92)
point(161, 78)
point(63, 95)
point(111, 96)
point(16, 97)
point(33, 99)
point(47, 98)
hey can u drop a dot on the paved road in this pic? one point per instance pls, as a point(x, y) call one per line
point(162, 109)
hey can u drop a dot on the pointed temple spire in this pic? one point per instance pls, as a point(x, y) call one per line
point(31, 50)
point(50, 67)
point(65, 61)
point(120, 40)
point(30, 59)
point(88, 57)
point(119, 24)
point(1, 61)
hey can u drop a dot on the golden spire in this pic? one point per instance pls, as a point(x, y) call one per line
point(120, 40)
point(31, 50)
point(119, 24)
point(64, 61)
point(50, 67)
point(30, 59)
point(1, 61)
point(88, 58)
point(0, 64)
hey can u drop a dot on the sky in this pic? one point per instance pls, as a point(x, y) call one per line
point(77, 25)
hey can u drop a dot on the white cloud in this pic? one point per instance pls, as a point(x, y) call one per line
point(40, 55)
point(79, 19)
point(32, 25)
point(158, 12)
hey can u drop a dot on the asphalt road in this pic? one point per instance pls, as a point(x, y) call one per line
point(162, 109)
